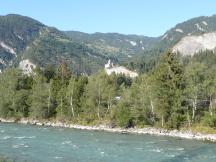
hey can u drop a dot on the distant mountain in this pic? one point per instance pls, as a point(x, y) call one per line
point(198, 34)
point(23, 38)
point(193, 27)
point(120, 46)
point(184, 38)
point(191, 45)
point(16, 32)
point(52, 45)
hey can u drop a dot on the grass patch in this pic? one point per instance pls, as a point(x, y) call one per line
point(203, 129)
point(5, 159)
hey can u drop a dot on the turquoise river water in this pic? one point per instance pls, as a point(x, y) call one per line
point(47, 144)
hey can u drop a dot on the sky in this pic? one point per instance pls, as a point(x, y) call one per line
point(142, 17)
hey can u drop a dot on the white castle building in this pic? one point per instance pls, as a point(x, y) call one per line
point(110, 68)
point(27, 67)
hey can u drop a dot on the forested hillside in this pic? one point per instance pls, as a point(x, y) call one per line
point(192, 27)
point(171, 91)
point(25, 38)
point(177, 93)
point(123, 47)
point(15, 34)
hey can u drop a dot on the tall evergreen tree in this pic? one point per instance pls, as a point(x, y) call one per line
point(170, 87)
point(8, 90)
point(195, 77)
point(40, 98)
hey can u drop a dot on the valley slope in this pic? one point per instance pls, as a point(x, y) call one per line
point(24, 38)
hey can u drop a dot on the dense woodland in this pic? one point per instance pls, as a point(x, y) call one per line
point(177, 93)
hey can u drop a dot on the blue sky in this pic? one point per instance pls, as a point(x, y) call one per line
point(144, 17)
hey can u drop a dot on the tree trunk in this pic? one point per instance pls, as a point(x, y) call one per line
point(162, 121)
point(152, 107)
point(188, 118)
point(210, 106)
point(61, 105)
point(71, 103)
point(71, 100)
point(48, 104)
point(108, 103)
point(150, 97)
point(99, 101)
point(194, 108)
point(13, 105)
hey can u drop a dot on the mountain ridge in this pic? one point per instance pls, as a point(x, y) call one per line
point(22, 37)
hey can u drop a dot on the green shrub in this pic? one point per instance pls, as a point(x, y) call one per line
point(123, 117)
point(209, 120)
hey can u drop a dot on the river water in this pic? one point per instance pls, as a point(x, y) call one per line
point(47, 144)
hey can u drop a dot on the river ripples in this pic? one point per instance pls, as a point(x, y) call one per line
point(48, 144)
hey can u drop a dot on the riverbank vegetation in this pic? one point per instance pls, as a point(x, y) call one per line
point(5, 159)
point(177, 93)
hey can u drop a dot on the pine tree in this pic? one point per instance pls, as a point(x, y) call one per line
point(41, 102)
point(209, 89)
point(8, 89)
point(195, 76)
point(170, 87)
point(63, 108)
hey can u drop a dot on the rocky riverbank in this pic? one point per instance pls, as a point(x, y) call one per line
point(149, 130)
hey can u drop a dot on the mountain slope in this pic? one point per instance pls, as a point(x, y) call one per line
point(170, 40)
point(51, 46)
point(118, 45)
point(15, 34)
point(195, 26)
point(191, 45)
point(24, 38)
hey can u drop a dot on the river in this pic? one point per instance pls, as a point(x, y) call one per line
point(48, 144)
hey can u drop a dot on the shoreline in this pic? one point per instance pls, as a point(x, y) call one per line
point(148, 130)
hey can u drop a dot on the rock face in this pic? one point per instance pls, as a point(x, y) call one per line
point(110, 68)
point(191, 45)
point(7, 48)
